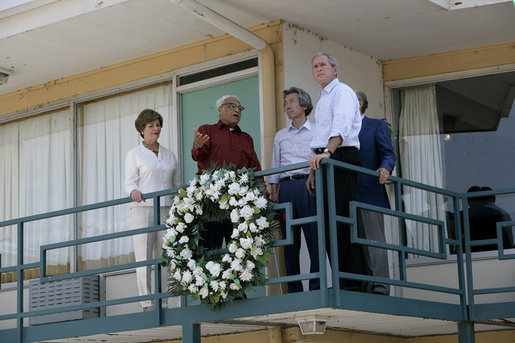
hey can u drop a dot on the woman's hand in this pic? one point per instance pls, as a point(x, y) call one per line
point(136, 195)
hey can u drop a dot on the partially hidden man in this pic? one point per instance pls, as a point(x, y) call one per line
point(222, 144)
point(291, 145)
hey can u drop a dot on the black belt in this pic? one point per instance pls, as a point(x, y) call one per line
point(293, 177)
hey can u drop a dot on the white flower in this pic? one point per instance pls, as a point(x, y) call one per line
point(232, 175)
point(192, 288)
point(236, 265)
point(177, 275)
point(233, 202)
point(262, 222)
point(261, 202)
point(186, 253)
point(250, 196)
point(240, 253)
point(186, 277)
point(234, 286)
point(252, 227)
point(256, 252)
point(180, 227)
point(235, 216)
point(184, 239)
point(190, 190)
point(171, 218)
point(204, 292)
point(223, 285)
point(223, 295)
point(197, 271)
point(170, 253)
point(214, 285)
point(244, 178)
point(227, 258)
point(243, 190)
point(247, 212)
point(191, 264)
point(246, 243)
point(188, 218)
point(199, 210)
point(232, 247)
point(227, 274)
point(199, 281)
point(170, 233)
point(204, 178)
point(234, 188)
point(215, 269)
point(250, 265)
point(259, 241)
point(224, 205)
point(235, 233)
point(246, 275)
point(243, 227)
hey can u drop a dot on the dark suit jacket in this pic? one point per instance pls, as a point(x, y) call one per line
point(376, 151)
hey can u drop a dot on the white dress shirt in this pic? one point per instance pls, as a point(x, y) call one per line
point(292, 146)
point(337, 114)
point(148, 173)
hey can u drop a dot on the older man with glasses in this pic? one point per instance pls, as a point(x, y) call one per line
point(222, 144)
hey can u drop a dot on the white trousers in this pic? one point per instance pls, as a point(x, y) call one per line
point(148, 246)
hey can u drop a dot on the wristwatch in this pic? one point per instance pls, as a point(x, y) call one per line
point(328, 151)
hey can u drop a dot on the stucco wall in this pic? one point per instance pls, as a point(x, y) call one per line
point(359, 71)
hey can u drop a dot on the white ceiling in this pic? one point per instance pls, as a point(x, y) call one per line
point(44, 40)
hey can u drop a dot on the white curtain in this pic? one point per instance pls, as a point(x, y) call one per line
point(107, 132)
point(421, 161)
point(36, 177)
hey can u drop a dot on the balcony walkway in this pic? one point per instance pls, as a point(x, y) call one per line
point(343, 310)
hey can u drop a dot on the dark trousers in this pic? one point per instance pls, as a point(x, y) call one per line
point(214, 233)
point(371, 227)
point(303, 204)
point(350, 256)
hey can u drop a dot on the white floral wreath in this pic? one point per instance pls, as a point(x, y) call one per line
point(218, 194)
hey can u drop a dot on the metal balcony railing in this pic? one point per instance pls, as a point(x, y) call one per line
point(464, 311)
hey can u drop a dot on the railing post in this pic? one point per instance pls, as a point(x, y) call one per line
point(191, 332)
point(322, 248)
point(19, 283)
point(466, 332)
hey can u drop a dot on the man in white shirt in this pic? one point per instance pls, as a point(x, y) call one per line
point(336, 136)
point(291, 145)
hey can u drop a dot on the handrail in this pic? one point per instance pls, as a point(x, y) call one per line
point(465, 290)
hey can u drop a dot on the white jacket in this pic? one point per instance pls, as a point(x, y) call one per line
point(148, 173)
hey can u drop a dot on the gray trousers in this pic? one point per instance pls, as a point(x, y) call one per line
point(371, 227)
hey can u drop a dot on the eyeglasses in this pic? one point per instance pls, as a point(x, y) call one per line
point(233, 106)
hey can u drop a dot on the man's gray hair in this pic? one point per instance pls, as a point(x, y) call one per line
point(330, 58)
point(363, 97)
point(220, 101)
point(304, 98)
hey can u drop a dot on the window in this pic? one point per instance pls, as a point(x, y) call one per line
point(36, 176)
point(455, 134)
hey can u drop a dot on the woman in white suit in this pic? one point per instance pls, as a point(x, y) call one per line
point(149, 167)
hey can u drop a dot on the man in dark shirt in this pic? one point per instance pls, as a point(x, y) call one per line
point(222, 144)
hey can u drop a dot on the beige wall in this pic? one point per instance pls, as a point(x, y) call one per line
point(140, 68)
point(447, 62)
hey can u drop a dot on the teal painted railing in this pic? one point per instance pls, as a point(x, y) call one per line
point(465, 311)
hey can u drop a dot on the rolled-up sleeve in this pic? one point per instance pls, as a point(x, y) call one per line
point(344, 107)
